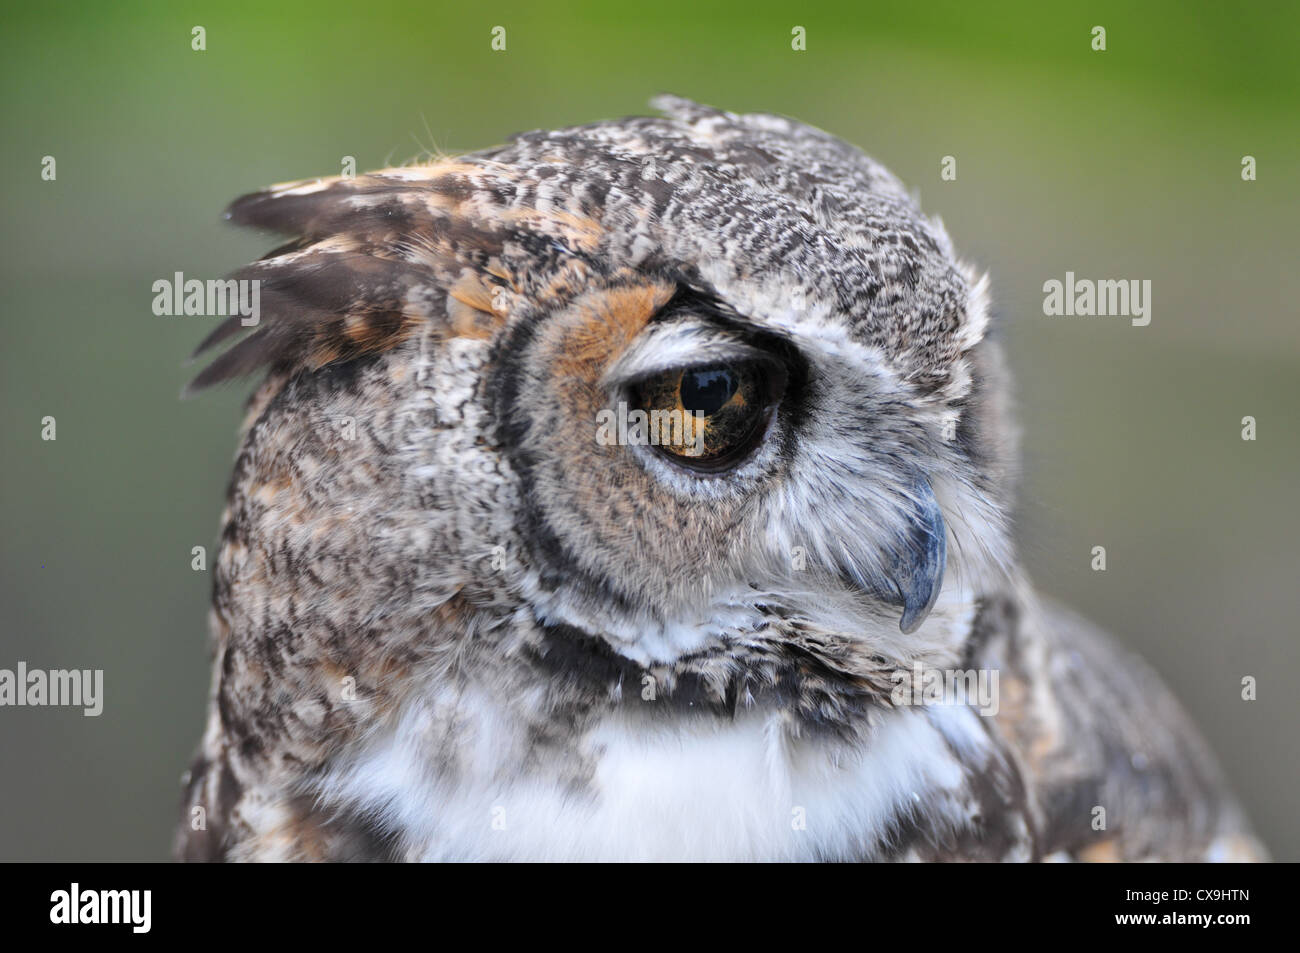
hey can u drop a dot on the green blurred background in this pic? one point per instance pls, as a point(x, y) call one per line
point(1122, 164)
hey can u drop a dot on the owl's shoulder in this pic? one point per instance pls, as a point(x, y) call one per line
point(1118, 769)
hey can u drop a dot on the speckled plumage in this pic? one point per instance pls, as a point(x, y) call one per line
point(449, 624)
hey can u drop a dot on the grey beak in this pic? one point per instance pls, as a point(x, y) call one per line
point(920, 562)
point(914, 573)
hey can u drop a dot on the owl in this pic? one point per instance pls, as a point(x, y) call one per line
point(641, 491)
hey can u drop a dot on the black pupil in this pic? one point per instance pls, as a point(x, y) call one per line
point(708, 390)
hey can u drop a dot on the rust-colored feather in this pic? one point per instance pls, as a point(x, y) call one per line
point(350, 283)
point(374, 256)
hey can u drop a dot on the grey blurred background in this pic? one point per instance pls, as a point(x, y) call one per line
point(1120, 164)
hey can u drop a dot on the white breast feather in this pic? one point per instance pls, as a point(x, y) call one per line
point(684, 789)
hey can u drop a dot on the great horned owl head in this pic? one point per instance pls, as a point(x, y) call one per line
point(457, 352)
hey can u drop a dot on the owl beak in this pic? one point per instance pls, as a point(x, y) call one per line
point(912, 573)
point(921, 559)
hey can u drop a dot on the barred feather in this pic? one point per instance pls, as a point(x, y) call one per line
point(373, 257)
point(349, 283)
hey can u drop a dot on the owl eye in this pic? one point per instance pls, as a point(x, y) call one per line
point(709, 418)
